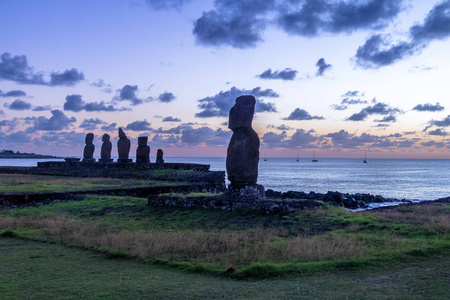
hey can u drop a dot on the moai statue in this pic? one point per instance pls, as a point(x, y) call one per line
point(159, 157)
point(243, 150)
point(123, 147)
point(143, 151)
point(88, 153)
point(105, 154)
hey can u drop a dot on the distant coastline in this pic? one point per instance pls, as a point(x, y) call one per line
point(15, 155)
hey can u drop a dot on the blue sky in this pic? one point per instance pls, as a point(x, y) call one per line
point(336, 77)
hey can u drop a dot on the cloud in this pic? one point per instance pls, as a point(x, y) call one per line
point(281, 127)
point(322, 66)
point(2, 113)
point(139, 126)
point(301, 115)
point(128, 93)
point(286, 74)
point(220, 104)
point(350, 98)
point(16, 68)
point(302, 139)
point(241, 24)
point(387, 119)
point(443, 123)
point(377, 109)
point(110, 127)
point(343, 139)
point(166, 4)
point(274, 140)
point(75, 103)
point(91, 124)
point(12, 93)
point(58, 121)
point(170, 119)
point(428, 107)
point(18, 105)
point(166, 141)
point(42, 108)
point(102, 84)
point(438, 132)
point(234, 23)
point(197, 136)
point(67, 78)
point(166, 97)
point(378, 51)
point(17, 137)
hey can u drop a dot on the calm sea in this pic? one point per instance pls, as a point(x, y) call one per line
point(412, 179)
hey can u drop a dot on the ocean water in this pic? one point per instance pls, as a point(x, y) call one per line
point(412, 179)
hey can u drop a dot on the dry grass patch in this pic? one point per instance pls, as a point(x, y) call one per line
point(236, 249)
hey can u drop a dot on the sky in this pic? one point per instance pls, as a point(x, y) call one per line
point(339, 78)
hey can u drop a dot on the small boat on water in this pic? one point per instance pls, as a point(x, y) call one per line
point(265, 158)
point(297, 156)
point(314, 157)
point(365, 157)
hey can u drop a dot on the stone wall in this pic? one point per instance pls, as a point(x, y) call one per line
point(225, 203)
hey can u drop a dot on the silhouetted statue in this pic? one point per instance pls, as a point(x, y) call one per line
point(105, 154)
point(243, 149)
point(123, 147)
point(142, 151)
point(159, 157)
point(88, 153)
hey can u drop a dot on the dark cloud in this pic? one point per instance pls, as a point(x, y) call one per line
point(428, 107)
point(13, 93)
point(220, 104)
point(322, 66)
point(91, 124)
point(67, 78)
point(316, 16)
point(286, 74)
point(16, 68)
point(18, 105)
point(377, 109)
point(42, 108)
point(170, 119)
point(443, 123)
point(234, 23)
point(302, 139)
point(110, 127)
point(166, 4)
point(387, 119)
point(274, 140)
point(139, 126)
point(343, 139)
point(300, 115)
point(166, 141)
point(378, 51)
point(128, 93)
point(438, 132)
point(175, 130)
point(17, 137)
point(166, 97)
point(192, 136)
point(58, 121)
point(75, 103)
point(2, 113)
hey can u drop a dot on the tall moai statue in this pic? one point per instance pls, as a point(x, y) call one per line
point(243, 150)
point(123, 147)
point(88, 153)
point(105, 153)
point(143, 151)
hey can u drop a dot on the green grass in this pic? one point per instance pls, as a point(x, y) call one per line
point(32, 270)
point(11, 184)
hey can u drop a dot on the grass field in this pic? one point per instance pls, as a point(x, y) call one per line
point(203, 253)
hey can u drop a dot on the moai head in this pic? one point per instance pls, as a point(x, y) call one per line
point(105, 138)
point(89, 139)
point(122, 134)
point(142, 140)
point(241, 114)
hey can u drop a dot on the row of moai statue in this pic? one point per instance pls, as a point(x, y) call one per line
point(123, 149)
